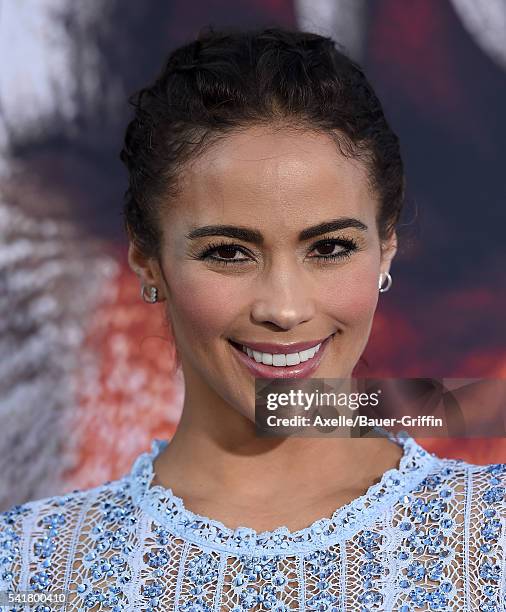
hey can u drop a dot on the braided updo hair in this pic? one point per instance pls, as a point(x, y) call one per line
point(228, 80)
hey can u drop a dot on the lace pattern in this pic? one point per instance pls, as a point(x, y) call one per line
point(169, 510)
point(438, 543)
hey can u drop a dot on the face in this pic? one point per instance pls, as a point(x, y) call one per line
point(297, 259)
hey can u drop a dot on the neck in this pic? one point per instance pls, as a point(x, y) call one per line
point(216, 452)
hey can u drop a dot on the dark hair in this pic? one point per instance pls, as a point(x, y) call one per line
point(227, 80)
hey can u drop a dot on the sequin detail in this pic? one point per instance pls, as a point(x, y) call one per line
point(170, 511)
point(431, 535)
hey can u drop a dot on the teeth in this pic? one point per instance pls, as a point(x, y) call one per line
point(267, 358)
point(281, 359)
point(278, 359)
point(293, 359)
point(307, 354)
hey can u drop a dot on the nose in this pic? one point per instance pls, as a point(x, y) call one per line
point(283, 297)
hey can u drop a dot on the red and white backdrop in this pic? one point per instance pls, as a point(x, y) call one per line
point(87, 375)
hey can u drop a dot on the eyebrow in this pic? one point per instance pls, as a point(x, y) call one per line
point(255, 237)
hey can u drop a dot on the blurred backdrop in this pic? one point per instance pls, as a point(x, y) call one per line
point(87, 375)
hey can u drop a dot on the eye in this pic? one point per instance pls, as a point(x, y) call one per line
point(330, 245)
point(223, 253)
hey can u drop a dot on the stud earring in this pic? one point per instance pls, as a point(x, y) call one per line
point(389, 282)
point(153, 294)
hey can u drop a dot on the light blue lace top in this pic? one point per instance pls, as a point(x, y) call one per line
point(431, 535)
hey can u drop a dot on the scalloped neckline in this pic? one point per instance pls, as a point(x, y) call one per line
point(170, 512)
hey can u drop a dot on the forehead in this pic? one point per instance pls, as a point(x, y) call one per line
point(273, 179)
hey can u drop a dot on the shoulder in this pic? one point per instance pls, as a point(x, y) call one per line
point(482, 484)
point(39, 532)
point(474, 499)
point(474, 490)
point(485, 511)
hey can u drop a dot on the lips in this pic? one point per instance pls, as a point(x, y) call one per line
point(275, 349)
point(262, 370)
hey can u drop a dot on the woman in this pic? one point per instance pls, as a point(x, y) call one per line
point(265, 186)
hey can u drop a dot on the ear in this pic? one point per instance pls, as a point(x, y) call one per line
point(388, 251)
point(146, 268)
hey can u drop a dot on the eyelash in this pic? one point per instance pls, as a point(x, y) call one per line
point(349, 243)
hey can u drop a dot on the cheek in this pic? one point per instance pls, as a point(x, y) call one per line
point(351, 296)
point(204, 305)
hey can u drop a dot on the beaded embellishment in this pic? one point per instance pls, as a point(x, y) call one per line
point(169, 510)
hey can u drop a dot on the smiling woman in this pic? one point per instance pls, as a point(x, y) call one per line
point(265, 189)
point(272, 277)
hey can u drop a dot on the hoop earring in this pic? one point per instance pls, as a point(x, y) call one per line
point(153, 294)
point(389, 282)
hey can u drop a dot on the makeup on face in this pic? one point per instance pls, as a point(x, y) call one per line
point(272, 260)
point(281, 361)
